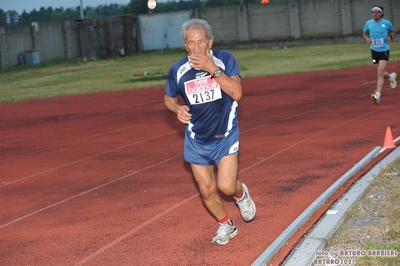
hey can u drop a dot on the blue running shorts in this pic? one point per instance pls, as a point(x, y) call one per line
point(207, 155)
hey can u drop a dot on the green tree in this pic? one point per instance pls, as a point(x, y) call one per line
point(24, 19)
point(211, 3)
point(3, 18)
point(108, 10)
point(172, 6)
point(169, 6)
point(44, 15)
point(74, 13)
point(90, 13)
point(12, 17)
point(58, 15)
point(136, 7)
point(34, 16)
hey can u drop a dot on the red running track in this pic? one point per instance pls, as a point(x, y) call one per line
point(99, 179)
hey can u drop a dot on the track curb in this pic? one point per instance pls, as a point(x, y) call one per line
point(306, 250)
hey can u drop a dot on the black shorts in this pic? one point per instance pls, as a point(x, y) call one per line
point(376, 56)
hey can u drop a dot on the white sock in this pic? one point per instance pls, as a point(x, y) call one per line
point(392, 77)
point(378, 94)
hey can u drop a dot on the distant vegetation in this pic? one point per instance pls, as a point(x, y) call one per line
point(11, 18)
point(149, 69)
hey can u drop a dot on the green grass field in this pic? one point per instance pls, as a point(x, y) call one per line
point(61, 78)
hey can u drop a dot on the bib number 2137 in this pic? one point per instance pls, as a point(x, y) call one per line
point(202, 90)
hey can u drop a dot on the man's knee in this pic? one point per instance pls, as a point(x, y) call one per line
point(207, 190)
point(228, 189)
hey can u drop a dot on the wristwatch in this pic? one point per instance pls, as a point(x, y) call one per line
point(217, 73)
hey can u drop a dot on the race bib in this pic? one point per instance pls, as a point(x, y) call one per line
point(202, 90)
point(377, 42)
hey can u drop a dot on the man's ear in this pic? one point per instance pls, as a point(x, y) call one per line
point(211, 42)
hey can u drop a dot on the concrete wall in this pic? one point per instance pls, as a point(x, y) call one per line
point(20, 40)
point(289, 22)
point(94, 39)
point(51, 37)
point(294, 19)
point(168, 35)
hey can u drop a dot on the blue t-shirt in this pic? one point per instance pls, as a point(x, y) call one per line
point(214, 113)
point(378, 32)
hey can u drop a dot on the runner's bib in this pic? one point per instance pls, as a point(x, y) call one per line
point(378, 42)
point(202, 90)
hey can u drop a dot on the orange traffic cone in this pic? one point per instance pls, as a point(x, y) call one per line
point(388, 143)
point(264, 2)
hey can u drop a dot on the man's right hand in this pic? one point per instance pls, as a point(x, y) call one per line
point(181, 111)
point(183, 114)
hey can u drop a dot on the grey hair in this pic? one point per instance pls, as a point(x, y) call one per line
point(196, 23)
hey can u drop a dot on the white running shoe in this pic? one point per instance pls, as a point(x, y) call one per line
point(246, 205)
point(393, 82)
point(224, 233)
point(375, 98)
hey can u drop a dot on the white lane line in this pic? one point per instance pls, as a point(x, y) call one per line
point(86, 192)
point(134, 230)
point(83, 159)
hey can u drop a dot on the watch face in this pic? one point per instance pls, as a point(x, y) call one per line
point(217, 73)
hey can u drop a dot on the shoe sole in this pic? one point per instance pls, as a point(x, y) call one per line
point(232, 235)
point(393, 83)
point(252, 203)
point(254, 206)
point(374, 99)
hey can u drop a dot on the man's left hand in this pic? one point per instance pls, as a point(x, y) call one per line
point(204, 62)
